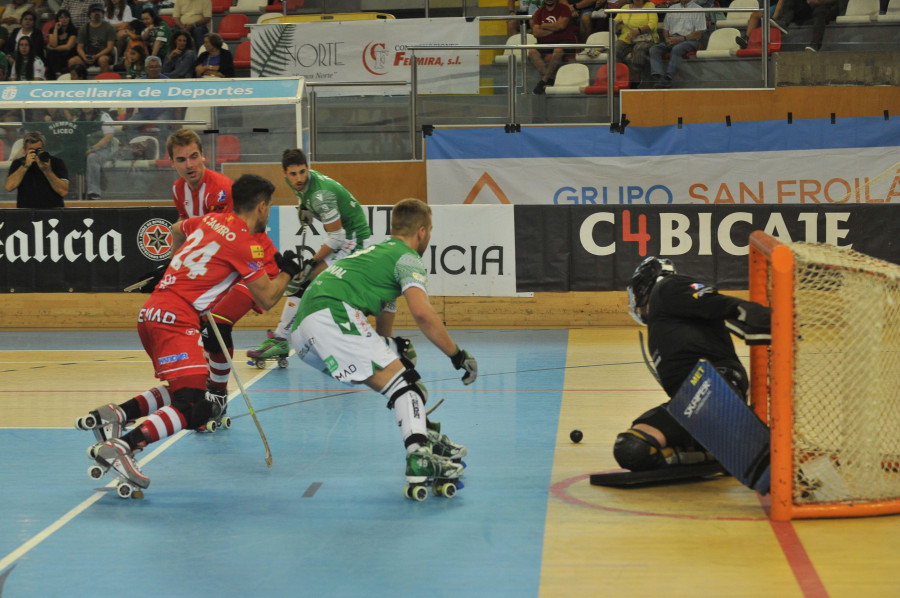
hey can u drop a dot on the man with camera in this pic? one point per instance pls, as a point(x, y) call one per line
point(41, 180)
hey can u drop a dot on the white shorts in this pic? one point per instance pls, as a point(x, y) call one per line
point(345, 347)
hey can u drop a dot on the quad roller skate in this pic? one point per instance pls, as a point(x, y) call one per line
point(442, 446)
point(273, 348)
point(106, 422)
point(424, 469)
point(218, 419)
point(115, 454)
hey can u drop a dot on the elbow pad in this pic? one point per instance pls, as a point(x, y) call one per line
point(336, 239)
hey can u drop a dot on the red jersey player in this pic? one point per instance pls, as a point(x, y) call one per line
point(213, 253)
point(197, 192)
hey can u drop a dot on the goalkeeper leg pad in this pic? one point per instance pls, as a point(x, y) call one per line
point(708, 408)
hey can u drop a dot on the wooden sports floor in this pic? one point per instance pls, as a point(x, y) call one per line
point(329, 519)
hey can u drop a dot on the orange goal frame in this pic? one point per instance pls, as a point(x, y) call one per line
point(771, 383)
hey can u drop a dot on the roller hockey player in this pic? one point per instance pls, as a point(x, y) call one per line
point(687, 321)
point(323, 199)
point(331, 334)
point(212, 253)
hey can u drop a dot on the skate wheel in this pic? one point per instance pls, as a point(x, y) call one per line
point(95, 472)
point(417, 493)
point(226, 422)
point(211, 426)
point(124, 490)
point(137, 494)
point(282, 362)
point(448, 490)
point(92, 451)
point(261, 364)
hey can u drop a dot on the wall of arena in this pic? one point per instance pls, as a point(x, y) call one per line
point(386, 183)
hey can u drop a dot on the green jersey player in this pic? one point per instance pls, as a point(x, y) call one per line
point(324, 199)
point(331, 333)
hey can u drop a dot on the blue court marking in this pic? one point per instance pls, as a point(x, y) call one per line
point(216, 521)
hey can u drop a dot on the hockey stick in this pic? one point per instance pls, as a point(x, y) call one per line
point(212, 324)
point(436, 405)
point(647, 360)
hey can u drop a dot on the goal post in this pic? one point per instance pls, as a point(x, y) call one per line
point(829, 383)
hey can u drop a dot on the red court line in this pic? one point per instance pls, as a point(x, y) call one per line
point(801, 566)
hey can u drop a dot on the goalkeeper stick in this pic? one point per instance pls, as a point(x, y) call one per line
point(215, 328)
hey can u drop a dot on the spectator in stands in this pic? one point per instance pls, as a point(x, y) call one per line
point(79, 11)
point(584, 11)
point(179, 64)
point(27, 29)
point(153, 65)
point(156, 33)
point(78, 72)
point(193, 16)
point(525, 7)
point(551, 24)
point(681, 34)
point(821, 12)
point(637, 33)
point(118, 14)
point(4, 66)
point(96, 41)
point(101, 147)
point(135, 30)
point(135, 58)
point(12, 14)
point(40, 180)
point(61, 44)
point(216, 61)
point(755, 22)
point(25, 65)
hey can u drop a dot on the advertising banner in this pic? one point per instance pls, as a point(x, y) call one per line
point(370, 51)
point(854, 161)
point(595, 248)
point(83, 250)
point(470, 254)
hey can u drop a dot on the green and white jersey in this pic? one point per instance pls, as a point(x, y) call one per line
point(328, 201)
point(369, 280)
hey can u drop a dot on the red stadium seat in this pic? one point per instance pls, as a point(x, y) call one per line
point(107, 75)
point(221, 6)
point(169, 19)
point(228, 149)
point(754, 45)
point(600, 86)
point(46, 28)
point(242, 55)
point(231, 27)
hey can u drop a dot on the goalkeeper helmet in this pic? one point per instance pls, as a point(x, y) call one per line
point(645, 276)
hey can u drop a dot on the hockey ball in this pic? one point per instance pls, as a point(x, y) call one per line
point(576, 436)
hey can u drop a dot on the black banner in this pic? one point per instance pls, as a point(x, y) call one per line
point(81, 250)
point(596, 248)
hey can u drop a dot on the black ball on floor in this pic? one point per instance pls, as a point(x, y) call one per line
point(576, 436)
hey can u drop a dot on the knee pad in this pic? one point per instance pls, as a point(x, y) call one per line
point(637, 451)
point(192, 404)
point(410, 381)
point(210, 342)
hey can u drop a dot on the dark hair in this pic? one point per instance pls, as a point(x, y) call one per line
point(154, 16)
point(215, 39)
point(111, 9)
point(26, 13)
point(181, 33)
point(24, 68)
point(293, 157)
point(136, 25)
point(80, 70)
point(63, 11)
point(249, 190)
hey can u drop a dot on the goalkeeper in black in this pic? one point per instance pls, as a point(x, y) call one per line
point(686, 320)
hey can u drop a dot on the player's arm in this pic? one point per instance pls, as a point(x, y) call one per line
point(267, 292)
point(430, 323)
point(384, 323)
point(337, 236)
point(178, 236)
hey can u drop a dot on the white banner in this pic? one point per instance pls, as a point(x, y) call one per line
point(370, 51)
point(472, 253)
point(786, 177)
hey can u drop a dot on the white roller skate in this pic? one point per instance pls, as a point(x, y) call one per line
point(424, 469)
point(107, 422)
point(116, 454)
point(218, 419)
point(442, 446)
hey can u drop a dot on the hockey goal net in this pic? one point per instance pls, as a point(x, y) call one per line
point(829, 384)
